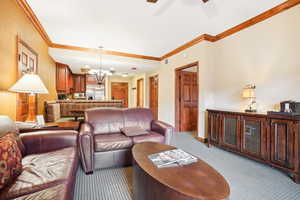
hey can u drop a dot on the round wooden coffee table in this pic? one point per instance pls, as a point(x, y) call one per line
point(197, 181)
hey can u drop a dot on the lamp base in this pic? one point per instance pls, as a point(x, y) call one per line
point(248, 110)
point(31, 117)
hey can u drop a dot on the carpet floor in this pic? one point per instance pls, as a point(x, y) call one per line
point(248, 179)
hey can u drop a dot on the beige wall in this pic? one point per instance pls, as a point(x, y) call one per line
point(166, 102)
point(265, 54)
point(14, 22)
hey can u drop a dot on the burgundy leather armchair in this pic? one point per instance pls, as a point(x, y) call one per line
point(101, 143)
point(50, 161)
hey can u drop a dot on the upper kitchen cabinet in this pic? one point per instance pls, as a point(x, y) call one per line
point(79, 83)
point(64, 79)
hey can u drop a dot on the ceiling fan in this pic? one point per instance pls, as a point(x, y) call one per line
point(154, 1)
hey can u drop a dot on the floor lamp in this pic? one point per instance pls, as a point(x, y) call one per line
point(32, 84)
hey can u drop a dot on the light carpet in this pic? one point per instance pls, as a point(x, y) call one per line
point(248, 179)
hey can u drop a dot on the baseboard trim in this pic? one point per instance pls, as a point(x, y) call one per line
point(201, 139)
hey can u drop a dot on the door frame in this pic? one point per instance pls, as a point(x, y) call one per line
point(138, 92)
point(111, 91)
point(177, 93)
point(150, 89)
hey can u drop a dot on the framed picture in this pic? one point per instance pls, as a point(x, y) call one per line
point(24, 59)
point(28, 58)
point(31, 65)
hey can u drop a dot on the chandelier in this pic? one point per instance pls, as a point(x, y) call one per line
point(100, 74)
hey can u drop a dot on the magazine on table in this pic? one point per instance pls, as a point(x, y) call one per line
point(172, 158)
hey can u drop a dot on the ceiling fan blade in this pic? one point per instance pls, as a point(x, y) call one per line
point(152, 1)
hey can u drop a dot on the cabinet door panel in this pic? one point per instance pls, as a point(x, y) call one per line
point(214, 127)
point(282, 143)
point(230, 131)
point(254, 136)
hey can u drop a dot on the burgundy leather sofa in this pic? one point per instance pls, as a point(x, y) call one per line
point(50, 162)
point(101, 143)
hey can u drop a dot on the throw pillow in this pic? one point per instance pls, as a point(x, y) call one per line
point(133, 131)
point(10, 159)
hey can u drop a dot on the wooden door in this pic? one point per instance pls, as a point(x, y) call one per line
point(283, 141)
point(140, 93)
point(188, 101)
point(254, 137)
point(231, 131)
point(153, 97)
point(119, 91)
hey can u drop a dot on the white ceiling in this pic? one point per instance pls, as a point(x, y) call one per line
point(78, 59)
point(138, 27)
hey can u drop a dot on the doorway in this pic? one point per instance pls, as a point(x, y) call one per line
point(119, 91)
point(140, 93)
point(153, 95)
point(186, 97)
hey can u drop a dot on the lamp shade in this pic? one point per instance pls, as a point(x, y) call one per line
point(248, 93)
point(29, 83)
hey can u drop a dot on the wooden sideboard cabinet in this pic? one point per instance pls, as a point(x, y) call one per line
point(273, 140)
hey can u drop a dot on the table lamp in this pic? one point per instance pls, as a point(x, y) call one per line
point(32, 84)
point(249, 93)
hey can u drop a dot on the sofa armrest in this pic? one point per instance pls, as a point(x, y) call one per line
point(46, 141)
point(86, 147)
point(164, 129)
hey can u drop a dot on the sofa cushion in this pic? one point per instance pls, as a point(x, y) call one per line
point(151, 137)
point(110, 142)
point(141, 117)
point(133, 131)
point(42, 171)
point(105, 120)
point(6, 126)
point(10, 159)
point(58, 192)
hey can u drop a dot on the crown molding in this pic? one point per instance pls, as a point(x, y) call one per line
point(259, 18)
point(107, 52)
point(204, 37)
point(34, 20)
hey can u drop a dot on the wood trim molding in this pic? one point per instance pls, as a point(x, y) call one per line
point(107, 52)
point(205, 37)
point(177, 91)
point(259, 18)
point(201, 139)
point(34, 20)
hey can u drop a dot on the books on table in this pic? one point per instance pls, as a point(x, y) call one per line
point(172, 158)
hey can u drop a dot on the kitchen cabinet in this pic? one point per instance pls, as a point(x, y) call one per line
point(79, 83)
point(64, 80)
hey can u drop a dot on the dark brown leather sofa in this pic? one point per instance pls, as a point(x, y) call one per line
point(101, 143)
point(50, 162)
